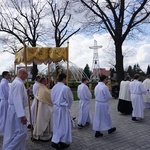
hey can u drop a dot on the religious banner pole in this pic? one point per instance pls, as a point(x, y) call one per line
point(27, 86)
point(67, 62)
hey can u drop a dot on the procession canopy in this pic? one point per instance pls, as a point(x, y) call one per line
point(40, 55)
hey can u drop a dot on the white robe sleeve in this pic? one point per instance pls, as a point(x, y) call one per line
point(107, 94)
point(20, 97)
point(69, 96)
point(143, 89)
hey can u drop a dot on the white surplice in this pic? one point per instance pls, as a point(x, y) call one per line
point(124, 103)
point(84, 95)
point(35, 88)
point(4, 92)
point(137, 90)
point(146, 97)
point(62, 99)
point(15, 132)
point(44, 114)
point(124, 92)
point(102, 120)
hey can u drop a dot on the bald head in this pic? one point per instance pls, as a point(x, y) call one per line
point(22, 74)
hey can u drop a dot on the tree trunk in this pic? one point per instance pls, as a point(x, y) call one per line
point(119, 62)
point(34, 71)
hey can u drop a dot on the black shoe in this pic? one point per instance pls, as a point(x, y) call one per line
point(63, 145)
point(134, 119)
point(33, 139)
point(80, 125)
point(29, 126)
point(98, 134)
point(87, 123)
point(55, 145)
point(111, 130)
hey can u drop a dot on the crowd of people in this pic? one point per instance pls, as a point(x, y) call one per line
point(134, 96)
point(50, 117)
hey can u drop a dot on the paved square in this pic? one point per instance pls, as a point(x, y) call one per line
point(128, 136)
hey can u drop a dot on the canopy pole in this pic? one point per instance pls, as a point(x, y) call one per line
point(27, 86)
point(48, 74)
point(67, 62)
point(14, 70)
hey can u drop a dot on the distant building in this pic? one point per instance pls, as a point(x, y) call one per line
point(101, 71)
point(105, 72)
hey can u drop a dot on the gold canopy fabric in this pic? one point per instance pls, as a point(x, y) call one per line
point(40, 55)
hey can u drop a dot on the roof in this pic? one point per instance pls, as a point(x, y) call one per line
point(101, 71)
point(105, 72)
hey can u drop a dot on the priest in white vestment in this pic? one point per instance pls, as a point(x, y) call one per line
point(137, 90)
point(102, 119)
point(35, 88)
point(44, 113)
point(4, 92)
point(62, 99)
point(124, 104)
point(146, 97)
point(15, 132)
point(84, 95)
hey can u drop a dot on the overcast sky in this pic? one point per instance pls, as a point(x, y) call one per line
point(80, 53)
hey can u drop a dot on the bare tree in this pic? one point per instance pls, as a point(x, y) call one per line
point(23, 20)
point(61, 22)
point(10, 44)
point(119, 18)
point(108, 55)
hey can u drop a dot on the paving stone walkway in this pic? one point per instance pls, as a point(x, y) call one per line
point(128, 136)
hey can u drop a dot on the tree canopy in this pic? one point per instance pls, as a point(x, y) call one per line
point(148, 70)
point(27, 20)
point(87, 71)
point(120, 19)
